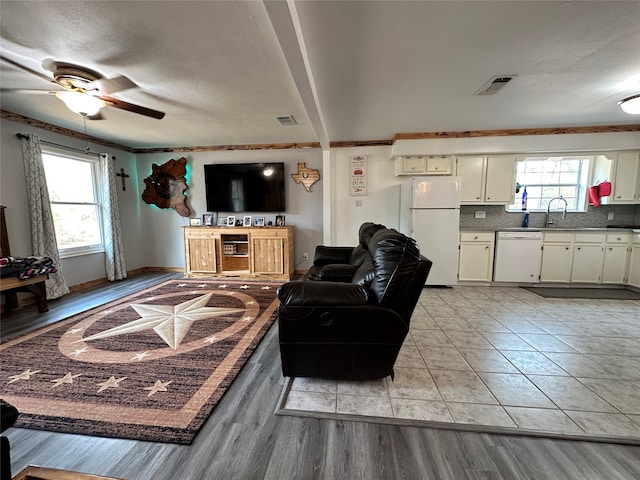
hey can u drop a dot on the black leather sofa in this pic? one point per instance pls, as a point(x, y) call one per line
point(8, 416)
point(353, 329)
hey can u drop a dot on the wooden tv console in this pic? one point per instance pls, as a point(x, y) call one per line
point(255, 252)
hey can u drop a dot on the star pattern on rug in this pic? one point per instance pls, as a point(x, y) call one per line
point(79, 351)
point(26, 375)
point(140, 356)
point(68, 378)
point(159, 386)
point(170, 322)
point(113, 382)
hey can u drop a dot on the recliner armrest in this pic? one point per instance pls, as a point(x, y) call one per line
point(322, 294)
point(325, 255)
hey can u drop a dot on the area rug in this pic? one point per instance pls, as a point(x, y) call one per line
point(594, 293)
point(149, 366)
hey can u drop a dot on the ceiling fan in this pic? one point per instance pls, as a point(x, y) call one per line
point(85, 91)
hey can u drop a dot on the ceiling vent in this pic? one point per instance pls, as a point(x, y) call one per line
point(495, 84)
point(287, 120)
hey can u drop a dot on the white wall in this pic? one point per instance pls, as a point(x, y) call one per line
point(13, 195)
point(163, 233)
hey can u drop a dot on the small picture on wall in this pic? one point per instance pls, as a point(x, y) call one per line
point(259, 222)
point(222, 221)
point(279, 220)
point(195, 221)
point(246, 221)
point(208, 219)
point(231, 221)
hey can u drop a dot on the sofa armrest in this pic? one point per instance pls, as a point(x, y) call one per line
point(337, 272)
point(322, 294)
point(325, 255)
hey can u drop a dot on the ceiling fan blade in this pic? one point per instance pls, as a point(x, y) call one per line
point(130, 107)
point(107, 86)
point(28, 70)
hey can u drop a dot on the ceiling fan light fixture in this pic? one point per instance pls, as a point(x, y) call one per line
point(631, 104)
point(81, 103)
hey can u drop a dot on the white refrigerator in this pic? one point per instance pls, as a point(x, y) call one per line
point(435, 225)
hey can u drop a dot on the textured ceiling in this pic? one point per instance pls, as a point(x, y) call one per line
point(346, 70)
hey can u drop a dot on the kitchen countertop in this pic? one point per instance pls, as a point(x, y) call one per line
point(552, 229)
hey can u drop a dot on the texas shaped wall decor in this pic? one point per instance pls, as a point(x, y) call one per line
point(166, 185)
point(306, 176)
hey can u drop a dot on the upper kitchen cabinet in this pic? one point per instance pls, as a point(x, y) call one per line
point(623, 170)
point(487, 179)
point(424, 165)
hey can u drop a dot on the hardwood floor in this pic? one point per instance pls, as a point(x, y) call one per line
point(243, 439)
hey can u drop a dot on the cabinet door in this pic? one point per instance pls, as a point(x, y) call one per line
point(200, 254)
point(439, 165)
point(268, 255)
point(625, 180)
point(476, 261)
point(500, 181)
point(634, 266)
point(587, 263)
point(471, 171)
point(413, 164)
point(556, 263)
point(615, 263)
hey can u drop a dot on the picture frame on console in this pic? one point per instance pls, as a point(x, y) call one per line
point(222, 221)
point(194, 222)
point(259, 221)
point(280, 221)
point(231, 221)
point(208, 219)
point(246, 221)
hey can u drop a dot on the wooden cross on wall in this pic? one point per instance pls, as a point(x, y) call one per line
point(123, 175)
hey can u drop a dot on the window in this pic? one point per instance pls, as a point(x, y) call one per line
point(75, 204)
point(546, 178)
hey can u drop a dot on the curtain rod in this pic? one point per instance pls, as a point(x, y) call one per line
point(86, 152)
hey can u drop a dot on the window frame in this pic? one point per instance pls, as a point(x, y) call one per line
point(584, 180)
point(69, 252)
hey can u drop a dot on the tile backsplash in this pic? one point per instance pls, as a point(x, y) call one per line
point(497, 217)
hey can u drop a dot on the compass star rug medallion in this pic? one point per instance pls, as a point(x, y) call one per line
point(149, 366)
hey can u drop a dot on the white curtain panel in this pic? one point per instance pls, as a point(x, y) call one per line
point(114, 250)
point(43, 233)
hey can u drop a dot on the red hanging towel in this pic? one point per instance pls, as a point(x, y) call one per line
point(594, 195)
point(604, 189)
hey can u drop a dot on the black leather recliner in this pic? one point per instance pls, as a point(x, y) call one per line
point(353, 330)
point(8, 416)
point(339, 264)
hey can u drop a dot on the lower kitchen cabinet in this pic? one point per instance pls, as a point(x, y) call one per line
point(476, 256)
point(634, 262)
point(557, 257)
point(616, 256)
point(588, 257)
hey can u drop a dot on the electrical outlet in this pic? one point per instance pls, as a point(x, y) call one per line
point(305, 256)
point(610, 216)
point(480, 214)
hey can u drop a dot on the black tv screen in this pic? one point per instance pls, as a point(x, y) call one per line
point(245, 187)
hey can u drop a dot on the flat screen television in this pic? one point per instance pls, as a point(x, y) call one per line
point(245, 187)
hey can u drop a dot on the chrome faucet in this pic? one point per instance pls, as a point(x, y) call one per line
point(549, 221)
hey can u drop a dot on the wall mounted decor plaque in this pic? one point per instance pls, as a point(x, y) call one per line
point(166, 185)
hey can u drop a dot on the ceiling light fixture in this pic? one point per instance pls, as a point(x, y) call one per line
point(631, 104)
point(81, 103)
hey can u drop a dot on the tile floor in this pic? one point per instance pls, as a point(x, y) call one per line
point(504, 357)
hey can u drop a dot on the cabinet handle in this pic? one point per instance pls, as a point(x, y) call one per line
point(475, 238)
point(579, 248)
point(566, 248)
point(487, 247)
point(488, 198)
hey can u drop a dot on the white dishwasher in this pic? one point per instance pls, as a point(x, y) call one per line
point(518, 256)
